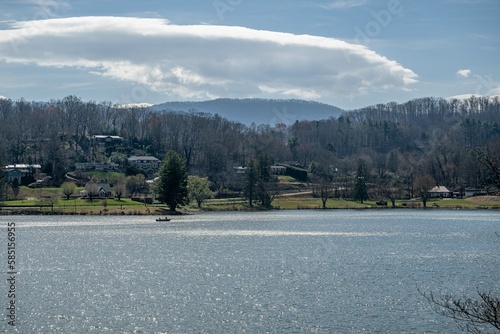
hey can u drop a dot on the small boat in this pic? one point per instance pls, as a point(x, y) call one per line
point(162, 219)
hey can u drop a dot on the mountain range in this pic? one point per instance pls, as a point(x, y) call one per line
point(258, 111)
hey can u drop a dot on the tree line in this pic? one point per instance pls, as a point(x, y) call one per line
point(454, 143)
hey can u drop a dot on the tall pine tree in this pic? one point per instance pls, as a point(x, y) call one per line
point(171, 186)
point(2, 184)
point(250, 182)
point(360, 188)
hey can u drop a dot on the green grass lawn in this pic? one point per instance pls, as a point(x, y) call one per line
point(467, 203)
point(111, 177)
point(72, 202)
point(83, 206)
point(286, 178)
point(284, 203)
point(127, 206)
point(25, 192)
point(315, 203)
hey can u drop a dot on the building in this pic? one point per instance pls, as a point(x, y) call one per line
point(469, 192)
point(144, 162)
point(440, 192)
point(13, 175)
point(240, 170)
point(278, 170)
point(102, 190)
point(106, 140)
point(20, 171)
point(293, 163)
point(100, 166)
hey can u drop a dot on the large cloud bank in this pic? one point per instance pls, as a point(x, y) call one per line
point(203, 61)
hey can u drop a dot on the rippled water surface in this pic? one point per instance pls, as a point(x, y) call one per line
point(294, 272)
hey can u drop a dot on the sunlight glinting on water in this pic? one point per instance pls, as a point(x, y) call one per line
point(330, 271)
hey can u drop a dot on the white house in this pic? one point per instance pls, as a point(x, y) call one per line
point(440, 192)
point(469, 192)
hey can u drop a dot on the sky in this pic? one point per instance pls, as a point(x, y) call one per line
point(347, 53)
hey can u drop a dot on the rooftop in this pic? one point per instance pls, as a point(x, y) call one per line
point(143, 158)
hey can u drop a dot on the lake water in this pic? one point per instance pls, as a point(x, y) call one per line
point(338, 271)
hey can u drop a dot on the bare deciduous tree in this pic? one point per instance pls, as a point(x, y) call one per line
point(422, 185)
point(471, 315)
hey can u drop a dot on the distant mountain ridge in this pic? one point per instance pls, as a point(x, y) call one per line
point(258, 111)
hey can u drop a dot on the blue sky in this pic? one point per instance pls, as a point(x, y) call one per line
point(348, 53)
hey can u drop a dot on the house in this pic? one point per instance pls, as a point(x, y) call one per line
point(278, 170)
point(469, 192)
point(107, 140)
point(20, 171)
point(25, 168)
point(144, 162)
point(240, 170)
point(100, 166)
point(13, 175)
point(102, 190)
point(440, 192)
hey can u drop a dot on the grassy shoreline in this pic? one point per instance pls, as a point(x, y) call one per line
point(129, 207)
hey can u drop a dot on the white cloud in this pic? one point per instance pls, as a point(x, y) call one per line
point(463, 96)
point(201, 61)
point(495, 91)
point(134, 105)
point(464, 73)
point(342, 4)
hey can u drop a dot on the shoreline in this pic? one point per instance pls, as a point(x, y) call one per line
point(27, 212)
point(131, 208)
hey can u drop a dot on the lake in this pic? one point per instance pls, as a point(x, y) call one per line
point(332, 271)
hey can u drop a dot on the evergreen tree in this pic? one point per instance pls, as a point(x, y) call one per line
point(250, 182)
point(265, 184)
point(171, 186)
point(259, 184)
point(2, 184)
point(360, 188)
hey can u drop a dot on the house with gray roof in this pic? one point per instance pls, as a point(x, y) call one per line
point(144, 162)
point(440, 192)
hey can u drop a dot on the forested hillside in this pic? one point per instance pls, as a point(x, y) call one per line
point(455, 142)
point(258, 111)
